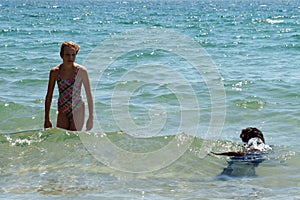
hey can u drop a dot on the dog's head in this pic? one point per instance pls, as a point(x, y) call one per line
point(251, 132)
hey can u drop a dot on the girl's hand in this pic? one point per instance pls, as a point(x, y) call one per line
point(89, 123)
point(47, 124)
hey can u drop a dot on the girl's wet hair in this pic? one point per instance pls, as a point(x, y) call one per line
point(69, 44)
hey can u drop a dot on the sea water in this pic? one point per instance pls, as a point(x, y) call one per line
point(147, 141)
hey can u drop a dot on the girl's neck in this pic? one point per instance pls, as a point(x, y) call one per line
point(68, 66)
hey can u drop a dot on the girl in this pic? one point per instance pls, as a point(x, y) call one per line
point(69, 77)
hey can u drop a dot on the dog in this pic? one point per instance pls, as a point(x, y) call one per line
point(243, 163)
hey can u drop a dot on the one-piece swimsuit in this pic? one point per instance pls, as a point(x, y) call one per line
point(70, 98)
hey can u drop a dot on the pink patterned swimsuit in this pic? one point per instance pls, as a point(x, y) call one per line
point(70, 98)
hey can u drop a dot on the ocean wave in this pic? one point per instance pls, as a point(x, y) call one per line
point(256, 104)
point(57, 143)
point(56, 162)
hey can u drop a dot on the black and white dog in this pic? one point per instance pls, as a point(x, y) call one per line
point(243, 163)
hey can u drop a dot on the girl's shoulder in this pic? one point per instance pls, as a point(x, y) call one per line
point(54, 71)
point(82, 71)
point(80, 67)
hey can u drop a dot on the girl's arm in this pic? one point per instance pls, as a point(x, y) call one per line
point(89, 96)
point(48, 100)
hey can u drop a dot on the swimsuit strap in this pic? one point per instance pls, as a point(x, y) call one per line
point(59, 72)
point(76, 71)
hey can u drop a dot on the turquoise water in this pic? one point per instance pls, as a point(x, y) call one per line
point(148, 93)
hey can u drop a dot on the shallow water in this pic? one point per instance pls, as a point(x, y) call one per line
point(55, 164)
point(154, 94)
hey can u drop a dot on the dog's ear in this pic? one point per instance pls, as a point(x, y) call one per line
point(251, 132)
point(245, 135)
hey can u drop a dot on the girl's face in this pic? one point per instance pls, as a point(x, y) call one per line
point(69, 55)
